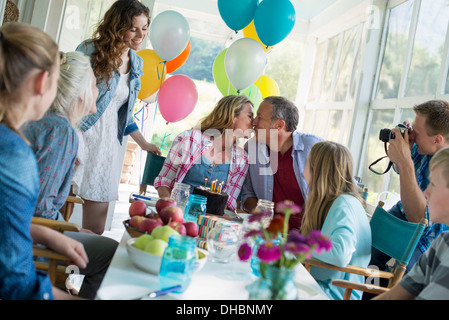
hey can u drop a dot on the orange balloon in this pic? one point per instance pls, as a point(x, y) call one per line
point(177, 62)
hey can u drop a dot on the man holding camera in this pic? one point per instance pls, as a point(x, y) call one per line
point(410, 153)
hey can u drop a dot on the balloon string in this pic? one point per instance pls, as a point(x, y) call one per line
point(161, 77)
point(164, 145)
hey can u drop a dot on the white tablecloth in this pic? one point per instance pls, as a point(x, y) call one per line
point(215, 281)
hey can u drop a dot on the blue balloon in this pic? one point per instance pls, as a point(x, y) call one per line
point(237, 14)
point(274, 20)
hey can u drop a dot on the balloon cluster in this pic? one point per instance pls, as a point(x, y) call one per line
point(170, 38)
point(239, 69)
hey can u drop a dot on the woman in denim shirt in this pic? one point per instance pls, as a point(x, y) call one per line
point(29, 71)
point(118, 70)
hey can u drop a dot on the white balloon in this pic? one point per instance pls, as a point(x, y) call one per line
point(169, 34)
point(245, 62)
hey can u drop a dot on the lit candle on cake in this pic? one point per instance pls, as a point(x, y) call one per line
point(205, 182)
point(219, 186)
point(213, 186)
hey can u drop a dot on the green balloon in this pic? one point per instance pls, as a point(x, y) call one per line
point(254, 94)
point(220, 78)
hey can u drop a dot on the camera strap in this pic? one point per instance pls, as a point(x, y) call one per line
point(374, 163)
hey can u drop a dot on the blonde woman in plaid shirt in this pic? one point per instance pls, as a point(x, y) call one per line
point(211, 150)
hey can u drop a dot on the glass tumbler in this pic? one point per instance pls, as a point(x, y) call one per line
point(180, 194)
point(222, 243)
point(195, 207)
point(268, 206)
point(178, 263)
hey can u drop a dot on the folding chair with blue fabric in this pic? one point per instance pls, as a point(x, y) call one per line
point(394, 237)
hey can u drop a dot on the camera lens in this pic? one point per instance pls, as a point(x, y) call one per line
point(385, 135)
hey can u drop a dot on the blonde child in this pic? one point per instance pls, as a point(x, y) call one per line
point(429, 277)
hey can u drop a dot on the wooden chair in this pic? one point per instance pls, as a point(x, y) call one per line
point(395, 237)
point(69, 205)
point(52, 265)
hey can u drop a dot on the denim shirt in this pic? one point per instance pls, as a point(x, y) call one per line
point(195, 177)
point(259, 180)
point(19, 188)
point(126, 124)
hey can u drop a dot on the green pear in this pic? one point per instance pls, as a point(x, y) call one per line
point(156, 247)
point(163, 232)
point(142, 241)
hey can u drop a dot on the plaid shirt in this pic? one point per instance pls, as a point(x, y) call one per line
point(187, 149)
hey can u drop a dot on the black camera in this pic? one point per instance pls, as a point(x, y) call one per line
point(385, 134)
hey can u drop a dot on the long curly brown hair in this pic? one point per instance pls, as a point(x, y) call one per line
point(108, 37)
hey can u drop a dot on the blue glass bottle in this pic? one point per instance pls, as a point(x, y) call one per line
point(178, 263)
point(195, 207)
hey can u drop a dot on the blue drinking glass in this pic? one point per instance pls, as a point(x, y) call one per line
point(178, 263)
point(195, 207)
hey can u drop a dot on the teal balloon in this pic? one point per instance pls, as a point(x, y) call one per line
point(274, 20)
point(237, 14)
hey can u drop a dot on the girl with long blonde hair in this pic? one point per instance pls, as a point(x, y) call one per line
point(335, 207)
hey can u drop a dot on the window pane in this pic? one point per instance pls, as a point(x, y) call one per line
point(317, 71)
point(334, 125)
point(307, 123)
point(447, 83)
point(331, 58)
point(395, 50)
point(319, 127)
point(428, 48)
point(347, 128)
point(346, 63)
point(80, 19)
point(375, 149)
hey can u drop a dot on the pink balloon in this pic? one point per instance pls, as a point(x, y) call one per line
point(177, 98)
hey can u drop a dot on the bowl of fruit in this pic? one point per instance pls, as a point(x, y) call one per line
point(167, 213)
point(146, 251)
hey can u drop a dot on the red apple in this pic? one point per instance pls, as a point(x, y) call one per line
point(137, 208)
point(154, 215)
point(191, 228)
point(172, 213)
point(148, 225)
point(178, 226)
point(164, 202)
point(135, 221)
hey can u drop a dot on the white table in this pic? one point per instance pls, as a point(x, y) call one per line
point(215, 281)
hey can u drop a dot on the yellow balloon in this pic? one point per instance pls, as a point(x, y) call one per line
point(267, 86)
point(154, 73)
point(250, 32)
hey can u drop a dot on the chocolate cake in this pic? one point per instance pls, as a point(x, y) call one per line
point(216, 202)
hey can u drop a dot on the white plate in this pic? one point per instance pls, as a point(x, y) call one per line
point(123, 292)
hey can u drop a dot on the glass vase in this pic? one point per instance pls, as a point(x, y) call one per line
point(275, 283)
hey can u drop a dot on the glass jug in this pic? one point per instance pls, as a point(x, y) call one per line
point(180, 194)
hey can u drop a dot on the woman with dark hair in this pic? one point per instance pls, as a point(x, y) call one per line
point(118, 70)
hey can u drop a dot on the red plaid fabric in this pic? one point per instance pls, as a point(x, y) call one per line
point(187, 149)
